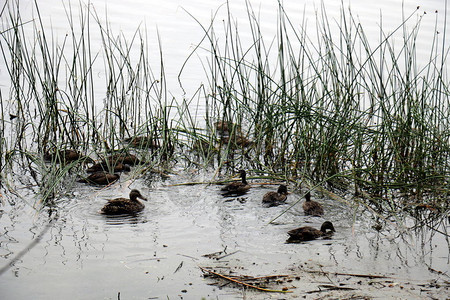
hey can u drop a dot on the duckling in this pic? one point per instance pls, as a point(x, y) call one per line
point(100, 178)
point(103, 166)
point(312, 207)
point(237, 187)
point(124, 205)
point(275, 198)
point(308, 233)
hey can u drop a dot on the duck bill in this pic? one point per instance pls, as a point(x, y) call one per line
point(143, 198)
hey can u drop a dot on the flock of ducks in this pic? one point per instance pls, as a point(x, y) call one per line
point(108, 170)
point(237, 188)
point(101, 175)
point(270, 199)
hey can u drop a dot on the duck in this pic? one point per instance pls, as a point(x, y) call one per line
point(236, 140)
point(225, 128)
point(104, 166)
point(275, 198)
point(312, 207)
point(124, 205)
point(124, 158)
point(101, 178)
point(65, 156)
point(142, 142)
point(308, 233)
point(237, 187)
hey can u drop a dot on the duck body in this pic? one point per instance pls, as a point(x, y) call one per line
point(123, 205)
point(275, 198)
point(124, 158)
point(312, 207)
point(66, 156)
point(308, 233)
point(104, 166)
point(225, 128)
point(238, 140)
point(142, 142)
point(101, 178)
point(238, 187)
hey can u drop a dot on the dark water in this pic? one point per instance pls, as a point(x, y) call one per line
point(157, 254)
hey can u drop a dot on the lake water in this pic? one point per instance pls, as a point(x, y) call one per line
point(157, 254)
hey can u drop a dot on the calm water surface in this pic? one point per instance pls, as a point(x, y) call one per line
point(156, 255)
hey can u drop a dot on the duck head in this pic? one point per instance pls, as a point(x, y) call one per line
point(282, 189)
point(243, 175)
point(134, 194)
point(308, 197)
point(327, 225)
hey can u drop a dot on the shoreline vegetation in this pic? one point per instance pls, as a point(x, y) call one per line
point(335, 112)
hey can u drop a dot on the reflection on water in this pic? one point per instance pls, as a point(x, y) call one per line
point(125, 219)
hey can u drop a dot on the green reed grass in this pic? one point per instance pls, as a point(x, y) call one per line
point(336, 109)
point(54, 99)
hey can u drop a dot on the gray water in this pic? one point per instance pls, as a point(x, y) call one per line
point(86, 255)
point(157, 254)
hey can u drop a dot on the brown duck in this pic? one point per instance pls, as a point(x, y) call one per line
point(124, 158)
point(104, 166)
point(237, 140)
point(225, 128)
point(124, 205)
point(65, 156)
point(142, 142)
point(101, 178)
point(308, 233)
point(312, 207)
point(238, 187)
point(275, 198)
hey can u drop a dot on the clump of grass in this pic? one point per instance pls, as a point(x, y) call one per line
point(55, 101)
point(336, 110)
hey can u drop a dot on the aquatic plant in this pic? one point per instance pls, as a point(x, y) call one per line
point(336, 111)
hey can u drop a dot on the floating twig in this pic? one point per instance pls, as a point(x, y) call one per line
point(349, 274)
point(226, 255)
point(243, 283)
point(179, 267)
point(328, 287)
